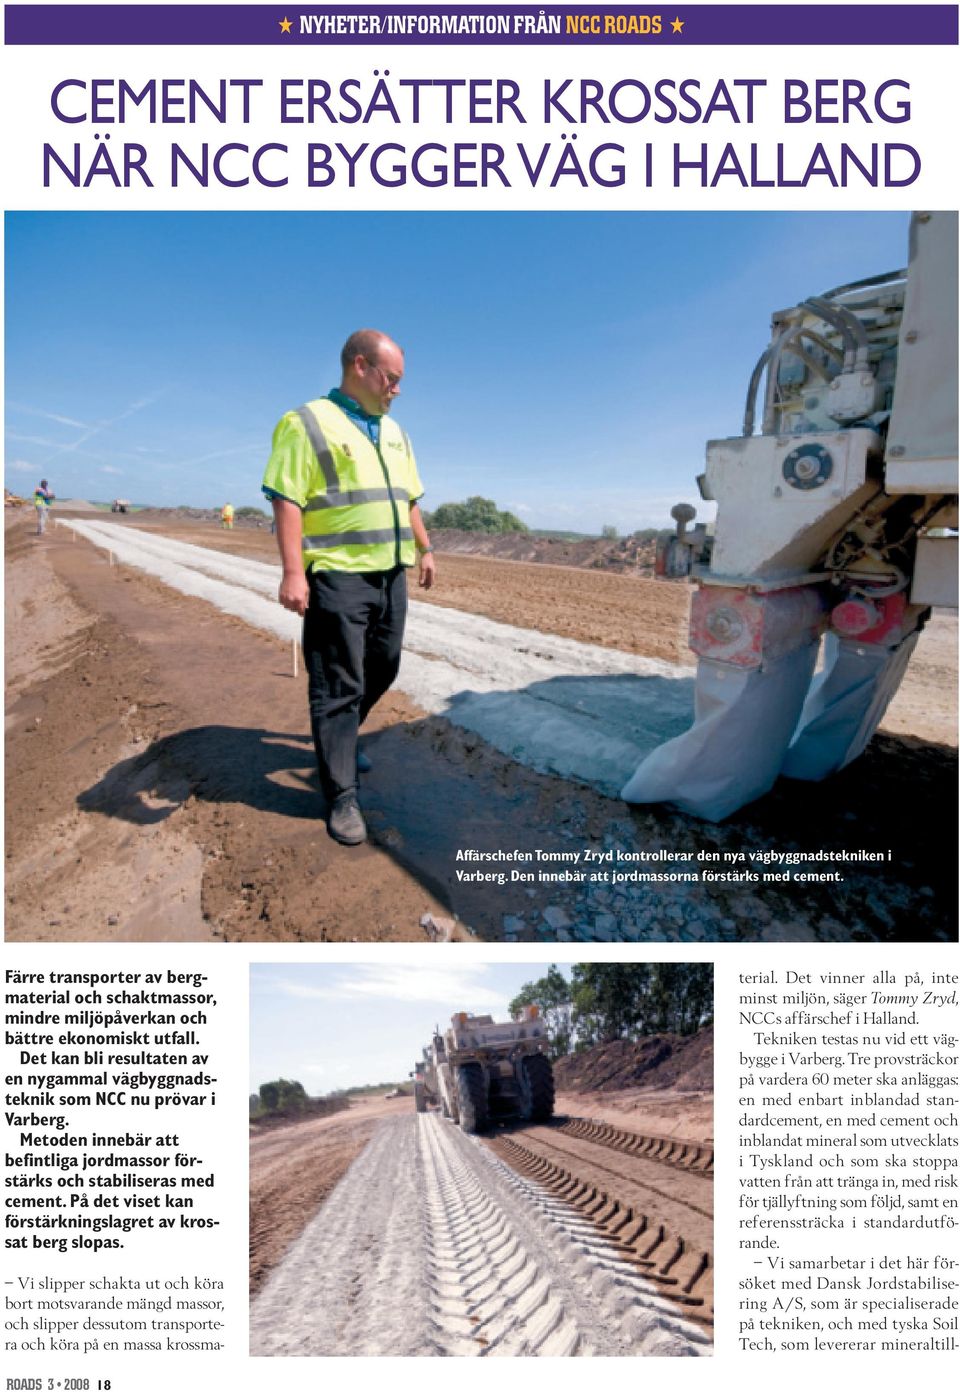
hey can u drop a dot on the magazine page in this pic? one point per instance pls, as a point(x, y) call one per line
point(480, 622)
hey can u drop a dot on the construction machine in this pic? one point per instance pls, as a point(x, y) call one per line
point(478, 1071)
point(836, 521)
point(424, 1083)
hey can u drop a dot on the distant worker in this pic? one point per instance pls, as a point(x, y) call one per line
point(42, 498)
point(345, 491)
point(226, 516)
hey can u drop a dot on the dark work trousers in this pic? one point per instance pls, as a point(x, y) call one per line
point(352, 634)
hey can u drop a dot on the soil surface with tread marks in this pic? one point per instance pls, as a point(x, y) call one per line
point(293, 1169)
point(430, 1245)
point(658, 1214)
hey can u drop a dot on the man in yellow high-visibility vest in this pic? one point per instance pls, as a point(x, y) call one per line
point(345, 491)
point(42, 498)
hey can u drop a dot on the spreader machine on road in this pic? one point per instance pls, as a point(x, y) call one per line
point(478, 1071)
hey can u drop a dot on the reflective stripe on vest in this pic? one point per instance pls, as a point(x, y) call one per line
point(330, 539)
point(320, 448)
point(360, 521)
point(354, 496)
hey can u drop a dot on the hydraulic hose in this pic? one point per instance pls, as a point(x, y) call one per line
point(775, 348)
point(857, 356)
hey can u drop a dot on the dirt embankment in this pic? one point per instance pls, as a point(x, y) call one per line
point(617, 555)
point(209, 517)
point(657, 1061)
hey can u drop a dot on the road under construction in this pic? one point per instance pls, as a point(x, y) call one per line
point(568, 1239)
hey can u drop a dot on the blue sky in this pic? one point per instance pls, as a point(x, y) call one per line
point(569, 365)
point(331, 1027)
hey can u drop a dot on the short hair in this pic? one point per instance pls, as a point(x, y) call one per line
point(364, 343)
point(43, 483)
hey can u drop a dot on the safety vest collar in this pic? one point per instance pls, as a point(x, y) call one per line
point(349, 406)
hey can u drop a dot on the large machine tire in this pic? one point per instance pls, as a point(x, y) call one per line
point(472, 1097)
point(536, 1086)
point(419, 1097)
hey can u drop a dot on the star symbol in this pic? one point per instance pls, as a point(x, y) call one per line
point(677, 25)
point(286, 25)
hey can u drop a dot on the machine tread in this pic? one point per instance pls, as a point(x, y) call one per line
point(539, 1074)
point(472, 1098)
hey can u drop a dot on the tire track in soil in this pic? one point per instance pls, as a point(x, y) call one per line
point(657, 1215)
point(489, 1295)
point(431, 1245)
point(580, 1299)
point(695, 1157)
point(686, 1198)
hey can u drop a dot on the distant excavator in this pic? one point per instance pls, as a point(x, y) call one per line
point(836, 520)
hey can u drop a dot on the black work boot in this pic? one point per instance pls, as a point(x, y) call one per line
point(345, 823)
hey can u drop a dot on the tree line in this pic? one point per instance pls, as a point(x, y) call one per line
point(614, 1000)
point(279, 1096)
point(475, 515)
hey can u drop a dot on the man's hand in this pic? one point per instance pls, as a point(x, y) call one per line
point(428, 571)
point(294, 592)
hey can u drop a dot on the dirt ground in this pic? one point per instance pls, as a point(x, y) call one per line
point(657, 1061)
point(625, 555)
point(688, 1116)
point(612, 610)
point(684, 1199)
point(293, 1169)
point(160, 779)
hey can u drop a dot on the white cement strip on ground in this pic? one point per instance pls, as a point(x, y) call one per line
point(558, 706)
point(228, 598)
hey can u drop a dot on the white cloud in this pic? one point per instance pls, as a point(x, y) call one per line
point(47, 415)
point(455, 987)
point(21, 466)
point(101, 425)
point(31, 439)
point(232, 452)
point(109, 469)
